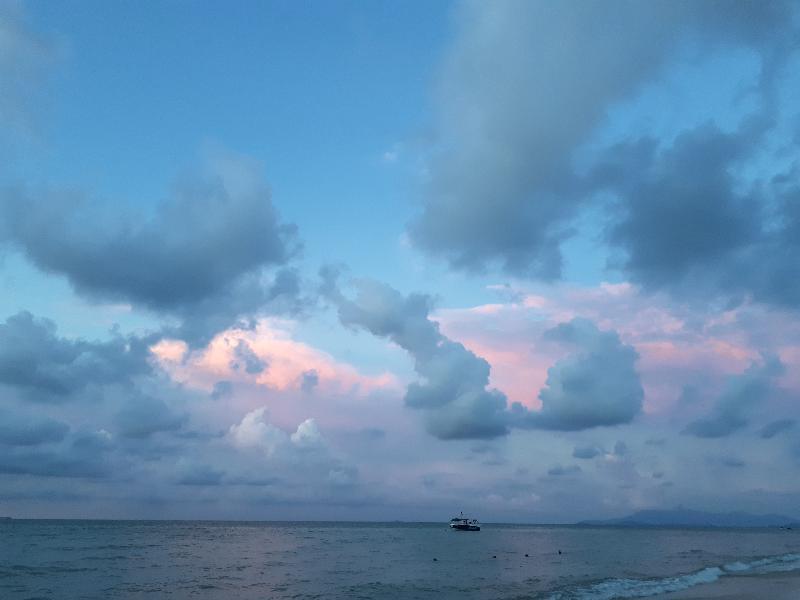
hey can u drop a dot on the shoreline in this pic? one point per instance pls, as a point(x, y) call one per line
point(775, 586)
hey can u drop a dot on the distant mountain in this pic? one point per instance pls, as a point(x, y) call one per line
point(695, 518)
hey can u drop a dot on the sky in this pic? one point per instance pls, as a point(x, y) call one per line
point(534, 261)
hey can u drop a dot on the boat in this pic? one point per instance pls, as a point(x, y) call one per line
point(463, 523)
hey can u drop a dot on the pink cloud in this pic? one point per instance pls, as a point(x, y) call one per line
point(672, 352)
point(287, 361)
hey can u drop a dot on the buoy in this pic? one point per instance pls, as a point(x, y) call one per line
point(435, 559)
point(495, 556)
point(526, 556)
point(559, 551)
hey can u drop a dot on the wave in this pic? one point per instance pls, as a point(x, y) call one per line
point(642, 588)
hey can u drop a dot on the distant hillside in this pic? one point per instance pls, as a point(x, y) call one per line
point(695, 518)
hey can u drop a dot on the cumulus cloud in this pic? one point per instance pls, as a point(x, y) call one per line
point(597, 385)
point(255, 431)
point(504, 189)
point(307, 435)
point(454, 390)
point(34, 359)
point(743, 392)
point(202, 256)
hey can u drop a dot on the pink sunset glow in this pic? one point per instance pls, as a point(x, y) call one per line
point(286, 361)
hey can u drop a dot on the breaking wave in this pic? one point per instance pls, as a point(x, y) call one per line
point(642, 588)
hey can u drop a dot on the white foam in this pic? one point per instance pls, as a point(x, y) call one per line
point(642, 588)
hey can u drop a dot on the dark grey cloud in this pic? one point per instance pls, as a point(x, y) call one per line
point(770, 430)
point(559, 471)
point(453, 390)
point(244, 357)
point(21, 430)
point(733, 410)
point(525, 86)
point(587, 452)
point(193, 473)
point(34, 359)
point(141, 416)
point(688, 225)
point(83, 455)
point(204, 255)
point(681, 215)
point(733, 462)
point(596, 386)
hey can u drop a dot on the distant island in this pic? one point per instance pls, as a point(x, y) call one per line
point(681, 517)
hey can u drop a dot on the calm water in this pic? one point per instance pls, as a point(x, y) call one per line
point(139, 559)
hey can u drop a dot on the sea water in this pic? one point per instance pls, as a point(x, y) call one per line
point(202, 559)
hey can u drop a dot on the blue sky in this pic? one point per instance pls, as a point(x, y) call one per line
point(347, 259)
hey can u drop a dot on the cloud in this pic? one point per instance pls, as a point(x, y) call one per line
point(587, 452)
point(309, 380)
point(81, 455)
point(691, 225)
point(502, 187)
point(743, 392)
point(244, 355)
point(303, 459)
point(307, 435)
point(288, 364)
point(142, 416)
point(34, 359)
point(222, 389)
point(189, 472)
point(19, 430)
point(770, 430)
point(733, 462)
point(256, 432)
point(453, 390)
point(681, 211)
point(559, 471)
point(596, 386)
point(202, 256)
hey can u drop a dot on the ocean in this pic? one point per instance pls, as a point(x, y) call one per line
point(262, 560)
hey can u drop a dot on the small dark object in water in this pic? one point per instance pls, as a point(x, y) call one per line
point(494, 556)
point(435, 559)
point(559, 551)
point(526, 556)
